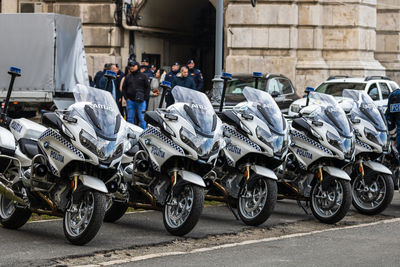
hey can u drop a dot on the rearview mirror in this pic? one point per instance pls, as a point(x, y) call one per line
point(275, 94)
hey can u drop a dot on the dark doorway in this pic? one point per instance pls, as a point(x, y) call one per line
point(191, 27)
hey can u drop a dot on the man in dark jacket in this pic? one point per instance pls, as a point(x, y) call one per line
point(100, 75)
point(136, 90)
point(176, 67)
point(182, 79)
point(113, 89)
point(196, 75)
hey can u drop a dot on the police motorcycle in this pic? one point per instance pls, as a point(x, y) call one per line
point(372, 184)
point(322, 142)
point(64, 168)
point(244, 176)
point(179, 146)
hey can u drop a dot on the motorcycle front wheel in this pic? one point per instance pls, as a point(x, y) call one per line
point(331, 204)
point(83, 220)
point(182, 212)
point(372, 196)
point(257, 200)
point(11, 216)
point(115, 210)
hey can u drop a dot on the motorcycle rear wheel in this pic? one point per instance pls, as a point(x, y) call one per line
point(182, 213)
point(11, 216)
point(257, 200)
point(82, 222)
point(373, 198)
point(331, 205)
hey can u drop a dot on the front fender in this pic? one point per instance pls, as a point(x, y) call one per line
point(377, 167)
point(93, 183)
point(268, 173)
point(336, 172)
point(192, 178)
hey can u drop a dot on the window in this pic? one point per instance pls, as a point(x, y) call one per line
point(373, 91)
point(336, 89)
point(280, 85)
point(234, 92)
point(384, 90)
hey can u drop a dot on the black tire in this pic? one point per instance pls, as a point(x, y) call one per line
point(95, 222)
point(18, 217)
point(116, 211)
point(344, 207)
point(384, 204)
point(269, 205)
point(194, 214)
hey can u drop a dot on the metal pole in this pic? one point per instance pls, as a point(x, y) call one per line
point(219, 37)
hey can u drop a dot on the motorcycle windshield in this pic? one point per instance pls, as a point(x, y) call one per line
point(198, 110)
point(365, 107)
point(330, 112)
point(100, 110)
point(265, 108)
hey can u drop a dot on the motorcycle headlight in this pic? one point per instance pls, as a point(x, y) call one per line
point(274, 141)
point(344, 144)
point(190, 139)
point(93, 144)
point(295, 108)
point(379, 138)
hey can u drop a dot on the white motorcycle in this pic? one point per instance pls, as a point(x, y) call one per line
point(179, 146)
point(372, 182)
point(322, 142)
point(258, 144)
point(66, 168)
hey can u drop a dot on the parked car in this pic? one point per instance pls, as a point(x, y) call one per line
point(275, 84)
point(377, 87)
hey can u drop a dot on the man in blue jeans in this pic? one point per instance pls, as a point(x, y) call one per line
point(136, 90)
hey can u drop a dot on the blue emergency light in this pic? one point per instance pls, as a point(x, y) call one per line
point(15, 70)
point(226, 75)
point(257, 74)
point(111, 73)
point(166, 83)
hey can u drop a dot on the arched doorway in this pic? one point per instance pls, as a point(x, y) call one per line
point(193, 37)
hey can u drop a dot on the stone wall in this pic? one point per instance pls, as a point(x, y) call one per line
point(306, 40)
point(302, 39)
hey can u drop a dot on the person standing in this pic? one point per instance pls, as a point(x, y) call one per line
point(100, 75)
point(136, 90)
point(113, 89)
point(393, 118)
point(181, 79)
point(155, 93)
point(196, 75)
point(175, 68)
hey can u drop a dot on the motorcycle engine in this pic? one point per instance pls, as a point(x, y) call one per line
point(159, 190)
point(232, 185)
point(60, 197)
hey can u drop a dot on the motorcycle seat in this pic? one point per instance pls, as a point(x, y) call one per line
point(29, 147)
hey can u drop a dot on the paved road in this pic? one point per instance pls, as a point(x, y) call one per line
point(376, 245)
point(38, 242)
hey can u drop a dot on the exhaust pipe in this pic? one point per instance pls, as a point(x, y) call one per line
point(8, 193)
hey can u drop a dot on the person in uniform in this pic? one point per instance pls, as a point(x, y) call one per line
point(393, 118)
point(175, 69)
point(196, 75)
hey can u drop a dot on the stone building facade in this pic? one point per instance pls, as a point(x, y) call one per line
point(306, 40)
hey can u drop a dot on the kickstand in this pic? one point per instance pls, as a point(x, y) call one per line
point(303, 207)
point(231, 209)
